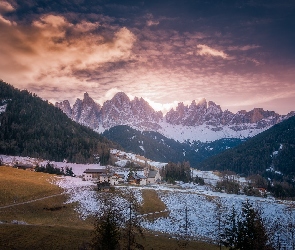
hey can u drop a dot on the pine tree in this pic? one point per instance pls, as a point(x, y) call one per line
point(107, 226)
point(251, 231)
point(132, 228)
point(229, 237)
point(246, 230)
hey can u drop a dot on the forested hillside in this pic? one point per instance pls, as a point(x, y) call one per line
point(32, 127)
point(157, 147)
point(273, 149)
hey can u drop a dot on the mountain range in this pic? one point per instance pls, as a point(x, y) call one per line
point(203, 121)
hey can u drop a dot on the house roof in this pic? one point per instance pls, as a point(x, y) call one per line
point(137, 177)
point(96, 171)
point(141, 176)
point(152, 174)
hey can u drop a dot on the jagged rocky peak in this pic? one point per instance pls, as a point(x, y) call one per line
point(119, 103)
point(120, 99)
point(139, 105)
point(90, 103)
point(176, 116)
point(65, 107)
point(195, 114)
point(256, 115)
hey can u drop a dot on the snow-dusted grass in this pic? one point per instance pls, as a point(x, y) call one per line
point(200, 201)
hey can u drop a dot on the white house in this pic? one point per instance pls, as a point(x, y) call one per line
point(153, 176)
point(137, 179)
point(113, 178)
point(93, 174)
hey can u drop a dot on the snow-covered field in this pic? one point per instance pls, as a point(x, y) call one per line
point(200, 201)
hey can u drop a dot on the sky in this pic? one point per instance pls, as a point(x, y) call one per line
point(239, 54)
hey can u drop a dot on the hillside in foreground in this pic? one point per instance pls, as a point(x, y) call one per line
point(26, 226)
point(33, 127)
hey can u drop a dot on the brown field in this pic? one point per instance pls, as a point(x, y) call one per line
point(58, 237)
point(18, 185)
point(52, 224)
point(151, 202)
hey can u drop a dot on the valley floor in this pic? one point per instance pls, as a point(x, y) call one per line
point(41, 221)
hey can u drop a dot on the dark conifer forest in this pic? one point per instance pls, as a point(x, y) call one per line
point(273, 149)
point(33, 127)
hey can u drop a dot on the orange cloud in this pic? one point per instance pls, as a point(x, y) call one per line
point(46, 52)
point(6, 7)
point(6, 22)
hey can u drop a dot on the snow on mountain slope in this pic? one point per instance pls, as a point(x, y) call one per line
point(3, 108)
point(205, 133)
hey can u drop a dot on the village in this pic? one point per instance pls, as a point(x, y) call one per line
point(105, 178)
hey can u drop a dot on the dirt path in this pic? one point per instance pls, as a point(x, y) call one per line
point(25, 202)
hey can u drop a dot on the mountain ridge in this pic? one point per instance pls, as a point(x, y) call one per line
point(203, 121)
point(272, 151)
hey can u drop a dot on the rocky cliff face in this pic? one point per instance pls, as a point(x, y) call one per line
point(120, 110)
point(211, 114)
point(137, 113)
point(195, 114)
point(84, 111)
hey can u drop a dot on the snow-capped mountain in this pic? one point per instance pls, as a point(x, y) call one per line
point(203, 121)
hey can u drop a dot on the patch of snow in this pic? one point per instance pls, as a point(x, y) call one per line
point(3, 108)
point(275, 153)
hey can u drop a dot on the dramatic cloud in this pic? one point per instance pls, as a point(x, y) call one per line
point(163, 52)
point(6, 22)
point(49, 50)
point(6, 7)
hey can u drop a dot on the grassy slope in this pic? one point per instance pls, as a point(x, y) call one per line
point(19, 185)
point(53, 224)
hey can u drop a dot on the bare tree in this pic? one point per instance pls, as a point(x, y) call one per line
point(184, 237)
point(132, 228)
point(108, 224)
